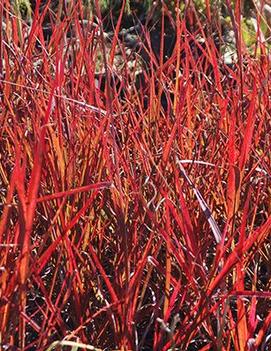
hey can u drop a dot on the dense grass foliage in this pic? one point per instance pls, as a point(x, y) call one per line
point(135, 191)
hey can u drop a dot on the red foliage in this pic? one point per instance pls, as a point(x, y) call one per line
point(128, 222)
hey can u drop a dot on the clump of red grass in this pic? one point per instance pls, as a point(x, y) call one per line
point(128, 224)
